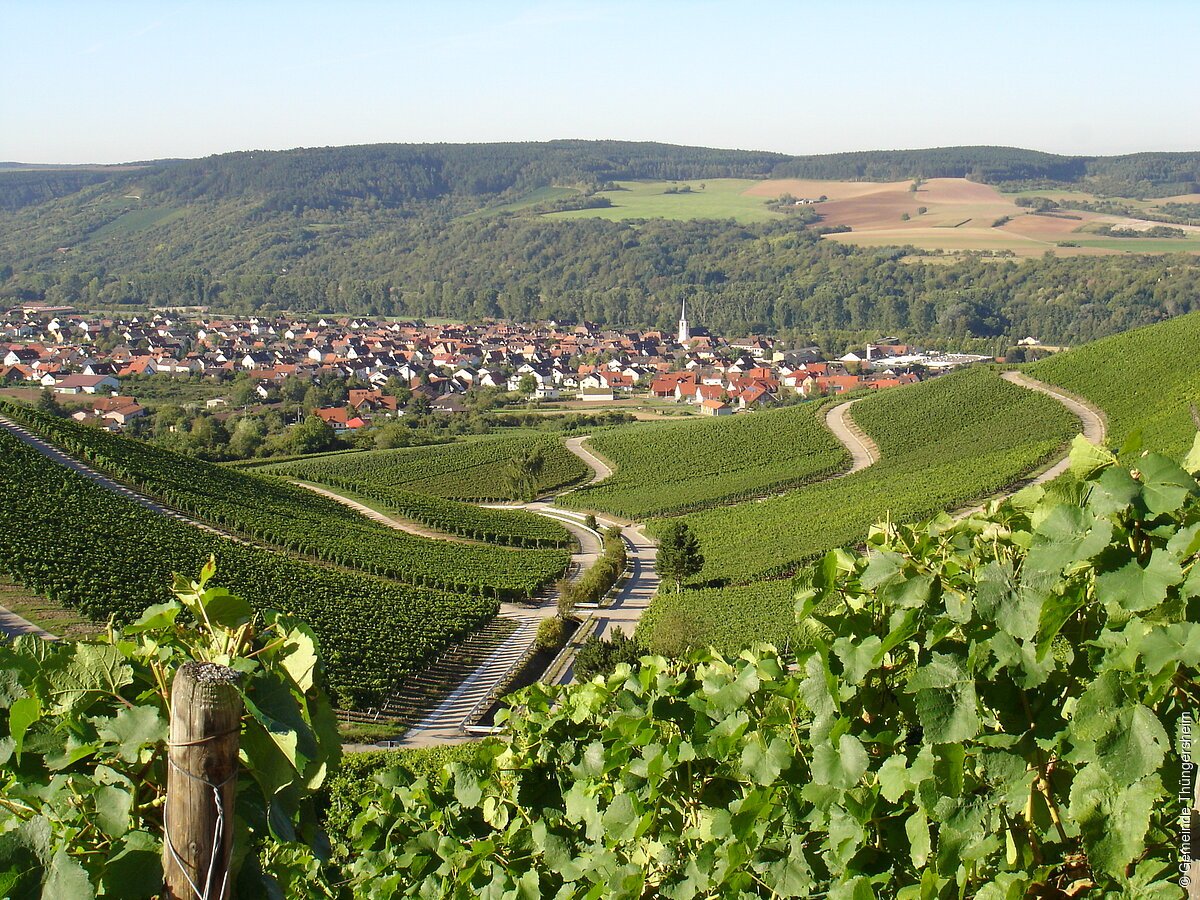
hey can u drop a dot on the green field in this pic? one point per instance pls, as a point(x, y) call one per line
point(533, 198)
point(944, 442)
point(1139, 245)
point(721, 198)
point(1144, 380)
point(673, 467)
point(137, 220)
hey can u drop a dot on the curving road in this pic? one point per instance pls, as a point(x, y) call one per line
point(864, 452)
point(600, 469)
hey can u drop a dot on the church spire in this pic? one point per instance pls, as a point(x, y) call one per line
point(685, 333)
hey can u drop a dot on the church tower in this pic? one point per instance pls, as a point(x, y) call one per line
point(685, 333)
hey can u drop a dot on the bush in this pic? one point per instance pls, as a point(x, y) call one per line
point(598, 656)
point(550, 634)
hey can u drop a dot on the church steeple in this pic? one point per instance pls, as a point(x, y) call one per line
point(685, 333)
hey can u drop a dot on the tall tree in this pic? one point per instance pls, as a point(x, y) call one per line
point(679, 555)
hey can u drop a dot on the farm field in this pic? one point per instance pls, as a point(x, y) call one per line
point(721, 198)
point(116, 558)
point(296, 521)
point(668, 468)
point(960, 214)
point(472, 471)
point(944, 442)
point(1144, 380)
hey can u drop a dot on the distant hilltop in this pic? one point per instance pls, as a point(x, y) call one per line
point(395, 174)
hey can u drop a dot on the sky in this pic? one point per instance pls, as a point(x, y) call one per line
point(118, 81)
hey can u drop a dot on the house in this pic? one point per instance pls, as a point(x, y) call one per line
point(596, 394)
point(86, 384)
point(715, 408)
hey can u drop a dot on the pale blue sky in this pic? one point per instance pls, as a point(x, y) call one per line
point(111, 81)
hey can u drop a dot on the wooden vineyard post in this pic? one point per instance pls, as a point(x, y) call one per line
point(202, 767)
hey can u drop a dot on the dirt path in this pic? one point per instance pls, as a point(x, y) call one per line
point(1091, 425)
point(376, 516)
point(864, 452)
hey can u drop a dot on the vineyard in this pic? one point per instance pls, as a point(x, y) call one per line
point(944, 442)
point(1144, 380)
point(473, 471)
point(511, 527)
point(294, 520)
point(89, 549)
point(670, 468)
point(727, 619)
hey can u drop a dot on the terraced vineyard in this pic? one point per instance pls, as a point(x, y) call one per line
point(102, 554)
point(1144, 380)
point(670, 468)
point(944, 442)
point(473, 471)
point(292, 519)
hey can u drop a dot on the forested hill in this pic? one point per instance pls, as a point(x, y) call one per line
point(1134, 175)
point(392, 175)
point(454, 230)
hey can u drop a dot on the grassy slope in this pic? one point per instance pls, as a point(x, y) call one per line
point(1142, 379)
point(944, 442)
point(669, 467)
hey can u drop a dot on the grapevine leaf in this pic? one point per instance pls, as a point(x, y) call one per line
point(88, 669)
point(1167, 485)
point(66, 879)
point(133, 728)
point(21, 715)
point(916, 827)
point(156, 617)
point(1192, 461)
point(1112, 820)
point(135, 870)
point(1177, 644)
point(113, 805)
point(1136, 588)
point(945, 699)
point(841, 766)
point(893, 778)
point(225, 609)
point(858, 658)
point(791, 876)
point(1134, 747)
point(763, 760)
point(1087, 459)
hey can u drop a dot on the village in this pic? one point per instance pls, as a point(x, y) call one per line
point(92, 359)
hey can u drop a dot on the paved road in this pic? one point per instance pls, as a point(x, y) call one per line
point(600, 469)
point(863, 451)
